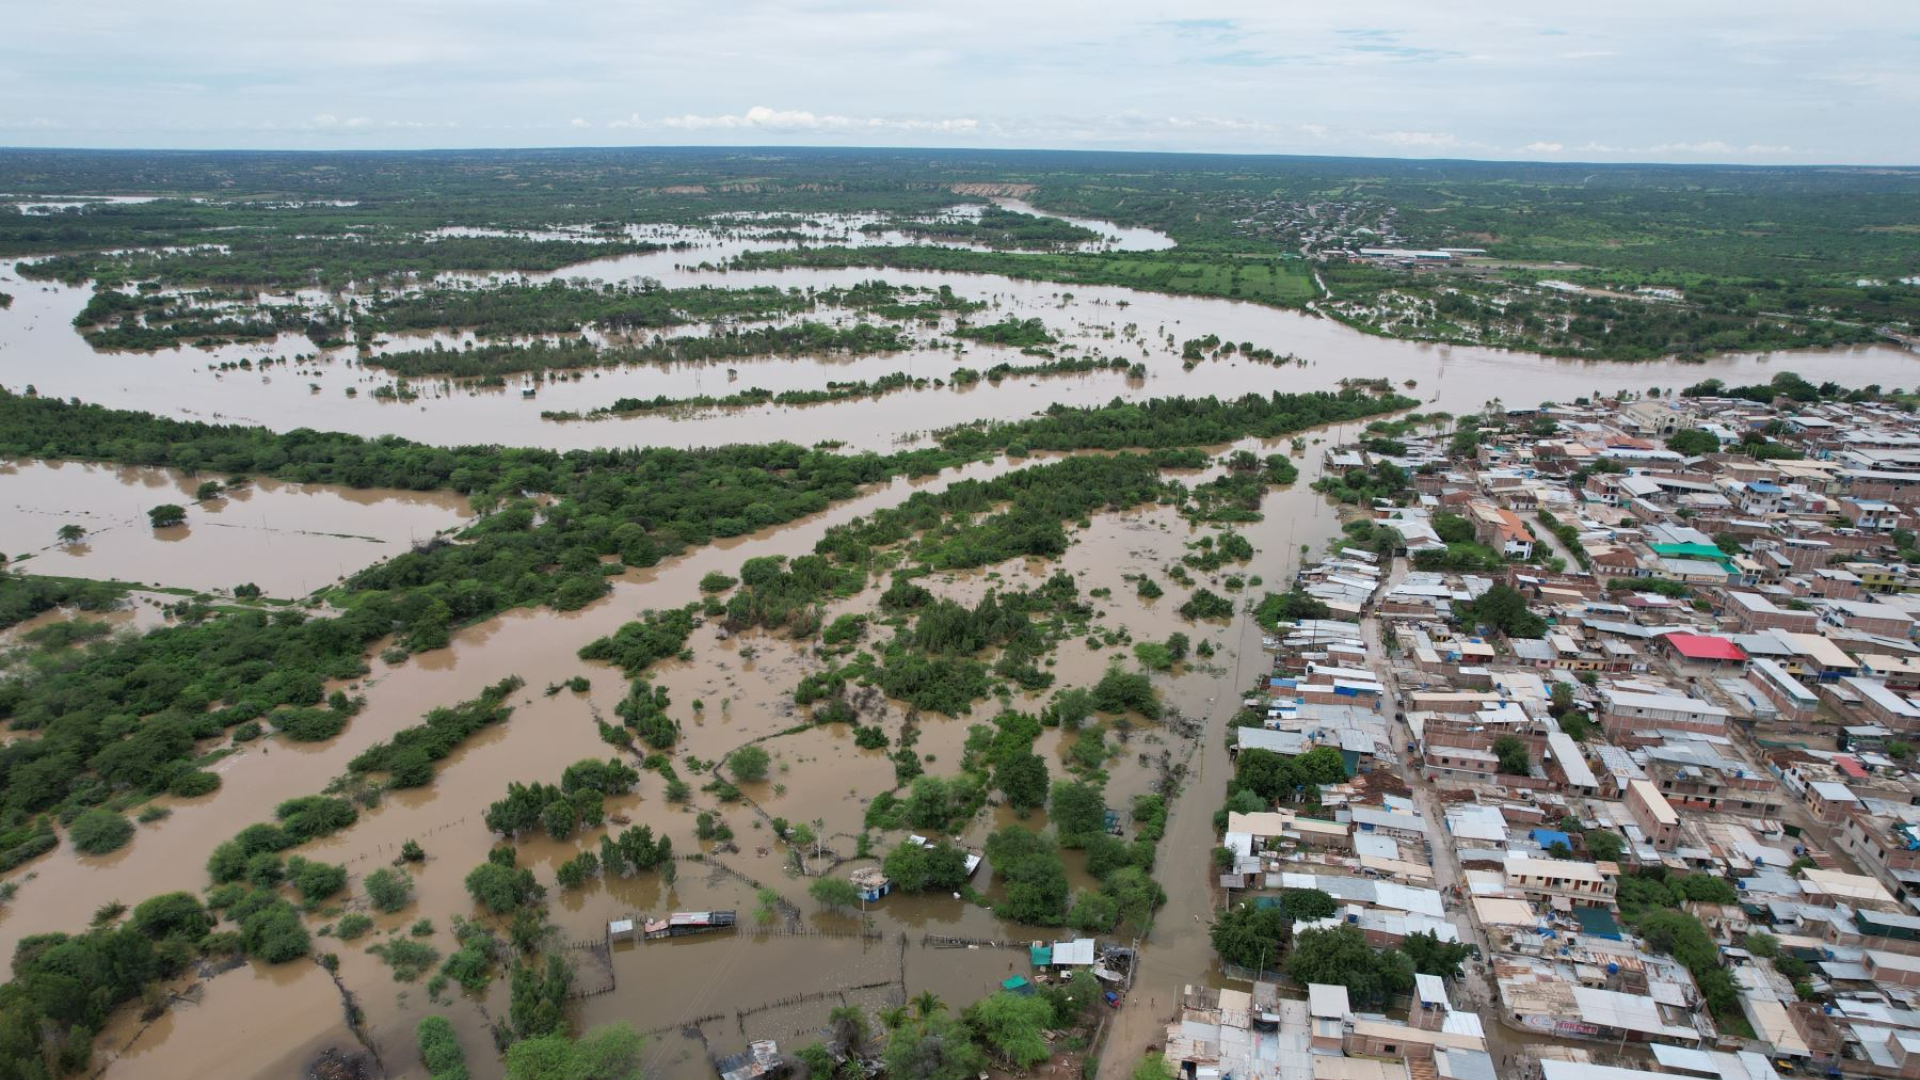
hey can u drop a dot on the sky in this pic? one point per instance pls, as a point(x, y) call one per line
point(1757, 81)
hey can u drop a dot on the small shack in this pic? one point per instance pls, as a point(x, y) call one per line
point(1068, 955)
point(762, 1061)
point(872, 883)
point(621, 930)
point(1017, 984)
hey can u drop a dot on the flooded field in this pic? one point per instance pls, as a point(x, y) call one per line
point(289, 539)
point(776, 978)
point(39, 348)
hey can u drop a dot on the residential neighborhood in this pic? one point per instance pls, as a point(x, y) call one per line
point(1603, 714)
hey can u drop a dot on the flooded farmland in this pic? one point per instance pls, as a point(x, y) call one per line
point(778, 977)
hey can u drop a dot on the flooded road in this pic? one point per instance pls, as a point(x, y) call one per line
point(289, 539)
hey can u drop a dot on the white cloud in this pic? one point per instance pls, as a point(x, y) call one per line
point(1543, 148)
point(1718, 148)
point(1426, 140)
point(576, 122)
point(762, 118)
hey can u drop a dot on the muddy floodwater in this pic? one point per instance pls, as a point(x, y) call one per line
point(39, 348)
point(776, 978)
point(289, 539)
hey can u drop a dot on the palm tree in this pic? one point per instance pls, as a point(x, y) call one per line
point(892, 1018)
point(849, 1025)
point(926, 1003)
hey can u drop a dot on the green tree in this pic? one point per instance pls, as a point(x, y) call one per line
point(97, 832)
point(834, 893)
point(389, 889)
point(1078, 810)
point(749, 763)
point(1511, 750)
point(1013, 1026)
point(1692, 442)
point(1250, 936)
point(1022, 778)
point(1604, 845)
point(440, 1049)
point(166, 514)
point(1340, 956)
point(608, 1052)
point(1431, 956)
point(1306, 905)
point(1504, 609)
point(932, 1048)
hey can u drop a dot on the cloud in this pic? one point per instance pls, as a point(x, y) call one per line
point(576, 122)
point(1421, 139)
point(1718, 148)
point(762, 118)
point(1543, 148)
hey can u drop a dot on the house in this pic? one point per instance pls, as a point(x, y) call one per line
point(1788, 694)
point(872, 883)
point(1655, 816)
point(1502, 530)
point(1550, 879)
point(1631, 718)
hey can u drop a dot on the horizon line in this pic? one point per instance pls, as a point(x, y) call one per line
point(789, 147)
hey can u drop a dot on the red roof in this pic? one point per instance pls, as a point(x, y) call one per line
point(1702, 647)
point(1851, 767)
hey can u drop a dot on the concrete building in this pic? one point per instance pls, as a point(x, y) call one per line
point(1651, 811)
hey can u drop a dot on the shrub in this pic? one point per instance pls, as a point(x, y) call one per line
point(193, 783)
point(352, 926)
point(440, 1049)
point(389, 889)
point(749, 763)
point(97, 831)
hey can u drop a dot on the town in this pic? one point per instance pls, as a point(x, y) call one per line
point(1614, 699)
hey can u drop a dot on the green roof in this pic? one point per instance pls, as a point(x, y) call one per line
point(1693, 551)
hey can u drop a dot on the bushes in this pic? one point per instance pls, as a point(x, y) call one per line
point(1118, 691)
point(193, 783)
point(316, 881)
point(440, 1049)
point(1206, 604)
point(389, 889)
point(353, 926)
point(273, 931)
point(560, 810)
point(749, 763)
point(97, 832)
point(409, 756)
point(407, 958)
point(656, 635)
point(502, 888)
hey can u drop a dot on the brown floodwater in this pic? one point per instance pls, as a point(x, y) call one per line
point(39, 347)
point(256, 1021)
point(289, 539)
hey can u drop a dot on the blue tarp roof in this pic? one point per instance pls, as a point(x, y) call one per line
point(1548, 837)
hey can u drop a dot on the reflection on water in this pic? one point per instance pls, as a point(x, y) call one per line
point(289, 539)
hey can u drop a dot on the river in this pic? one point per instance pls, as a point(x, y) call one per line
point(730, 989)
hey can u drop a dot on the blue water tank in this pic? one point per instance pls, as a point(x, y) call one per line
point(1613, 968)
